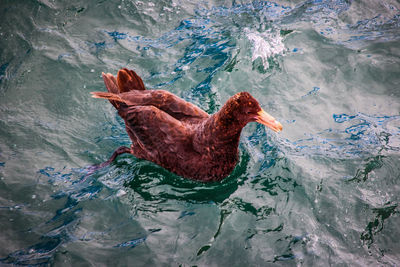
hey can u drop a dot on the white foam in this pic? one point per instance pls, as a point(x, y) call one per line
point(121, 193)
point(265, 45)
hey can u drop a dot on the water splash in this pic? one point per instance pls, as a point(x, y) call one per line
point(265, 45)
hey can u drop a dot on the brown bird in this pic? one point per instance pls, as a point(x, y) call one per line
point(178, 135)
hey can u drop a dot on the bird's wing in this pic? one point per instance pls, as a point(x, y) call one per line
point(129, 86)
point(163, 100)
point(157, 136)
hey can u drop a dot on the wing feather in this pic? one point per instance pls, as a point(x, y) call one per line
point(160, 136)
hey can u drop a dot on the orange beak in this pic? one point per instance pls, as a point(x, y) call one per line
point(269, 121)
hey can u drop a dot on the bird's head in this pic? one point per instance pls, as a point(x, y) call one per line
point(244, 108)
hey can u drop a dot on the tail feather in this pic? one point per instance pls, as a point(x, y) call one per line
point(109, 96)
point(110, 82)
point(128, 80)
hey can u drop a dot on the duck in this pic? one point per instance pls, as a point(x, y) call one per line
point(176, 134)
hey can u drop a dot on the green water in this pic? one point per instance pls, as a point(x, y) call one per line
point(324, 191)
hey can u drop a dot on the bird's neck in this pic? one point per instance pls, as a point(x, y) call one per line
point(226, 124)
point(220, 130)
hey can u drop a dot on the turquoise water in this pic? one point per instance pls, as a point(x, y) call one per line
point(325, 191)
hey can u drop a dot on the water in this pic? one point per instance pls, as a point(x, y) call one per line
point(325, 191)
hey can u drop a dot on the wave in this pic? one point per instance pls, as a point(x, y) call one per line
point(363, 135)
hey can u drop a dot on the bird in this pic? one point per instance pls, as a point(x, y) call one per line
point(176, 134)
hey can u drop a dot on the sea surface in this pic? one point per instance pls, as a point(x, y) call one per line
point(323, 192)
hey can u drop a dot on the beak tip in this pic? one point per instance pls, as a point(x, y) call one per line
point(279, 127)
point(269, 121)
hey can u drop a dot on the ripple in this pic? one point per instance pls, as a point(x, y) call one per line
point(376, 224)
point(365, 135)
point(328, 197)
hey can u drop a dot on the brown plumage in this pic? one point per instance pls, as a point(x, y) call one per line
point(178, 135)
